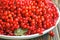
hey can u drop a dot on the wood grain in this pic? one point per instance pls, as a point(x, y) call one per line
point(59, 28)
point(56, 37)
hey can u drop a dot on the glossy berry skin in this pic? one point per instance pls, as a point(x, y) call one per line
point(51, 33)
point(34, 15)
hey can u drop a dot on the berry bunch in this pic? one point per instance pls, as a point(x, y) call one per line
point(33, 15)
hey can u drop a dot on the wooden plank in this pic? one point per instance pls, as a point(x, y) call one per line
point(56, 37)
point(59, 28)
point(59, 22)
point(45, 37)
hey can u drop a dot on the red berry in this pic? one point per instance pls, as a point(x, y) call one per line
point(40, 31)
point(34, 15)
point(51, 33)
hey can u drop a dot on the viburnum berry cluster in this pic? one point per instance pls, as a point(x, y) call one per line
point(33, 15)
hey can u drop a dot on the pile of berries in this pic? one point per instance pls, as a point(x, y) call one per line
point(33, 15)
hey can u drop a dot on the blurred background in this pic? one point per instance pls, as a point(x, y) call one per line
point(57, 2)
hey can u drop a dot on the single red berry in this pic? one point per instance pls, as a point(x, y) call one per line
point(51, 33)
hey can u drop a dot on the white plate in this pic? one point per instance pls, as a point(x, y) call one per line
point(30, 36)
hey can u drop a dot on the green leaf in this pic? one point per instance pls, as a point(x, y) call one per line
point(20, 32)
